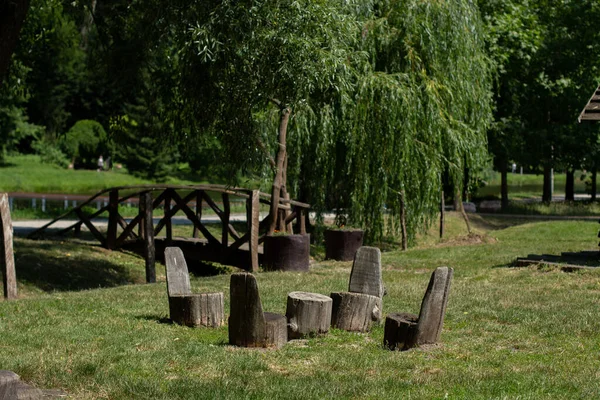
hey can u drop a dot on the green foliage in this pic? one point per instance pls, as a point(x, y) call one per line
point(384, 95)
point(145, 153)
point(84, 142)
point(50, 153)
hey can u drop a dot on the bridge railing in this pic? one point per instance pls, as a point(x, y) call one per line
point(179, 198)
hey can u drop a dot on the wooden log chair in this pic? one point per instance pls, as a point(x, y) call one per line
point(360, 307)
point(308, 314)
point(249, 326)
point(404, 331)
point(185, 308)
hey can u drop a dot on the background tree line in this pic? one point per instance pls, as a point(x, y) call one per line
point(373, 100)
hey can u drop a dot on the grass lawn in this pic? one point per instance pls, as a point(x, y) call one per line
point(28, 174)
point(528, 185)
point(85, 325)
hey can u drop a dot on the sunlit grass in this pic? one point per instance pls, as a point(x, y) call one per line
point(523, 333)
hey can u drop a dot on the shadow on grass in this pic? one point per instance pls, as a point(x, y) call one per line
point(156, 318)
point(65, 266)
point(568, 261)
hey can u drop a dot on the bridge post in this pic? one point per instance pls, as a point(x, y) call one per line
point(253, 221)
point(113, 215)
point(225, 226)
point(148, 230)
point(167, 212)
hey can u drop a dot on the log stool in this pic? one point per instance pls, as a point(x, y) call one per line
point(355, 312)
point(360, 307)
point(249, 326)
point(404, 331)
point(307, 314)
point(185, 308)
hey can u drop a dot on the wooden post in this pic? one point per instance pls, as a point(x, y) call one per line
point(300, 220)
point(277, 181)
point(198, 211)
point(149, 249)
point(8, 260)
point(113, 216)
point(167, 212)
point(225, 221)
point(253, 221)
point(403, 221)
point(442, 214)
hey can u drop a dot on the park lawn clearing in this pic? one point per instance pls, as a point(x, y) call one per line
point(528, 333)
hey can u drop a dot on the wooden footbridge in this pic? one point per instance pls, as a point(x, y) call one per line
point(227, 246)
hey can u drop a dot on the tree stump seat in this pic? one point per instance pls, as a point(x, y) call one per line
point(186, 308)
point(308, 314)
point(249, 326)
point(359, 308)
point(404, 331)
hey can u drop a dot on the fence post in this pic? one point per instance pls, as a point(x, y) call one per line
point(113, 215)
point(8, 258)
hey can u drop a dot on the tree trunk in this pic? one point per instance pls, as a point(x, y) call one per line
point(547, 190)
point(570, 186)
point(594, 188)
point(442, 214)
point(461, 208)
point(279, 174)
point(12, 15)
point(504, 186)
point(88, 21)
point(465, 193)
point(400, 331)
point(308, 314)
point(403, 221)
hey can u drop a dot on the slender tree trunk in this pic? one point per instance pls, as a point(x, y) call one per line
point(465, 193)
point(594, 176)
point(280, 160)
point(442, 214)
point(547, 190)
point(461, 208)
point(570, 186)
point(88, 21)
point(504, 186)
point(12, 15)
point(403, 221)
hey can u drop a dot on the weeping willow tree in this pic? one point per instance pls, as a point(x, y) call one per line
point(419, 108)
point(376, 98)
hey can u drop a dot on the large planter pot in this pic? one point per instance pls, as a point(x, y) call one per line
point(341, 245)
point(287, 253)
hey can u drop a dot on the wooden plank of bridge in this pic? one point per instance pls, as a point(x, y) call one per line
point(90, 226)
point(146, 207)
point(113, 217)
point(198, 211)
point(225, 221)
point(8, 259)
point(253, 221)
point(192, 217)
point(168, 216)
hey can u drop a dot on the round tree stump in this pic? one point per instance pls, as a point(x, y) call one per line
point(308, 314)
point(287, 253)
point(400, 331)
point(341, 245)
point(206, 309)
point(355, 312)
point(275, 330)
